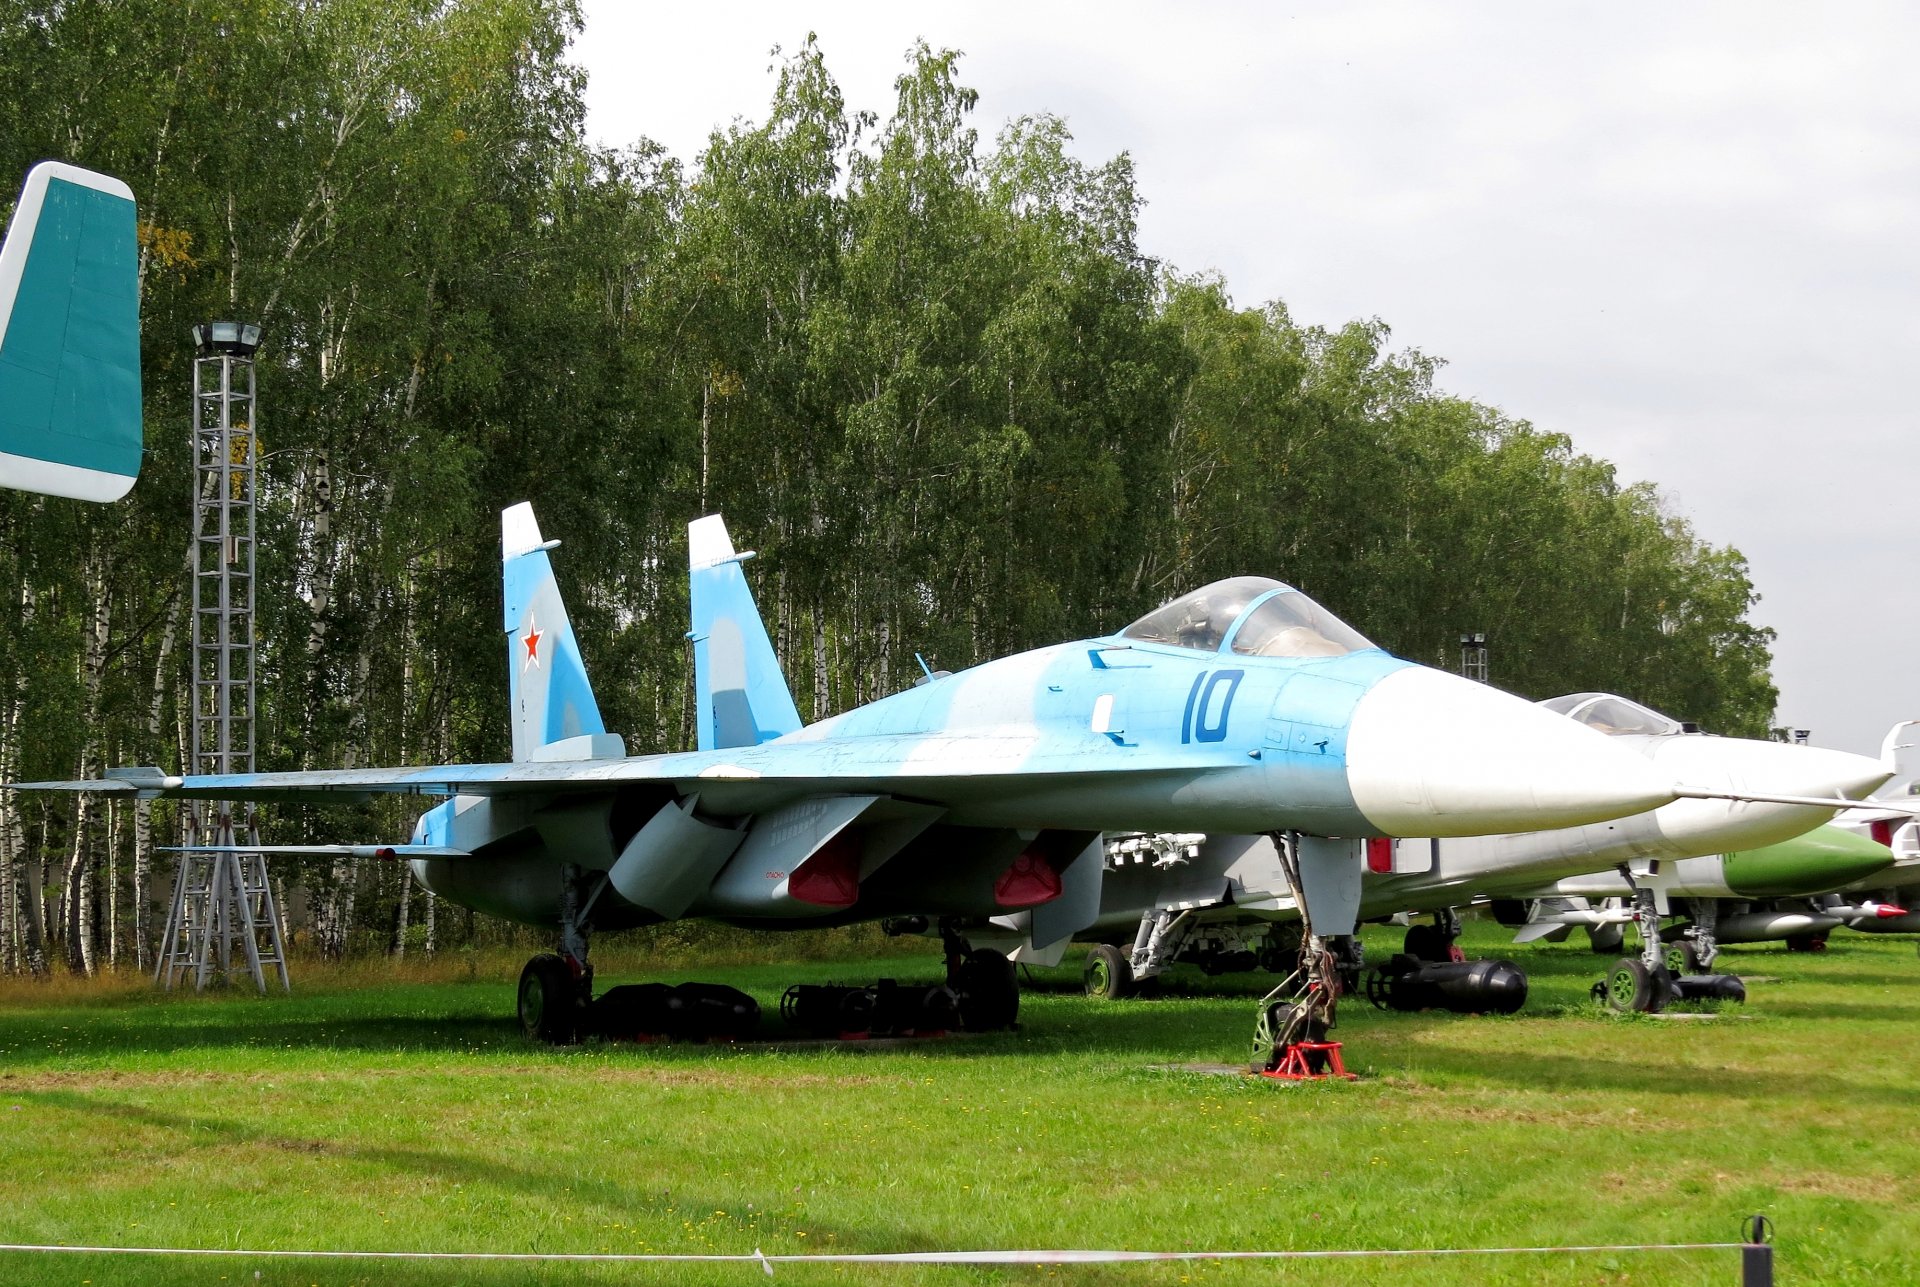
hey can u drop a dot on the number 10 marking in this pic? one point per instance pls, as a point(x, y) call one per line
point(1204, 720)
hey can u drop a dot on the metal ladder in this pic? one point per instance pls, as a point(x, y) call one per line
point(221, 897)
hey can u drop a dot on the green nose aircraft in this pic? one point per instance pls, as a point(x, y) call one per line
point(1825, 858)
point(1750, 896)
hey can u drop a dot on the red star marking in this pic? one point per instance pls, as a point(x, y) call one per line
point(532, 640)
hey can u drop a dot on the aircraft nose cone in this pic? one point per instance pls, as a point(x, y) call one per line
point(1431, 754)
point(1824, 858)
point(1820, 771)
point(1743, 766)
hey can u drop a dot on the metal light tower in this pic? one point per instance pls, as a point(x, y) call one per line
point(221, 895)
point(1473, 656)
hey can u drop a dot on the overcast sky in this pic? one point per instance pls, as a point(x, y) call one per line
point(1685, 235)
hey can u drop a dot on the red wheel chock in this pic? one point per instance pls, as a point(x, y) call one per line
point(1295, 1064)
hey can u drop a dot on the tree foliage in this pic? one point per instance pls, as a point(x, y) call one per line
point(933, 379)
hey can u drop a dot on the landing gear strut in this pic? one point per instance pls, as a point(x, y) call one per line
point(557, 989)
point(1696, 949)
point(1290, 1035)
point(1640, 983)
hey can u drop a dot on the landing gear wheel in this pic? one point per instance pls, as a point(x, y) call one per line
point(1109, 974)
point(1425, 943)
point(1807, 943)
point(1632, 987)
point(989, 988)
point(1683, 958)
point(550, 1001)
point(1280, 1024)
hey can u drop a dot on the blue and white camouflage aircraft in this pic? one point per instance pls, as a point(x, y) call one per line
point(1241, 707)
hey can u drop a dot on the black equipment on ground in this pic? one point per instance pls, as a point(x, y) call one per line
point(1464, 987)
point(701, 1011)
point(1709, 987)
point(885, 1009)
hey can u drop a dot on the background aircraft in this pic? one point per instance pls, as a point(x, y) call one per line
point(70, 337)
point(1211, 899)
point(1243, 706)
point(1741, 897)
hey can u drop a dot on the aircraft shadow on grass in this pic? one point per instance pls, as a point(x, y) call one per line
point(563, 1185)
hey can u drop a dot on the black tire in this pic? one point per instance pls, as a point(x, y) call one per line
point(989, 988)
point(1683, 958)
point(1425, 943)
point(550, 1001)
point(1664, 991)
point(1630, 986)
point(1807, 943)
point(1109, 974)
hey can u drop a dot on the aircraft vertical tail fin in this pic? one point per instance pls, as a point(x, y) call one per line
point(741, 692)
point(70, 337)
point(554, 712)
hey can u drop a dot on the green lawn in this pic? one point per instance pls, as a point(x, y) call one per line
point(394, 1111)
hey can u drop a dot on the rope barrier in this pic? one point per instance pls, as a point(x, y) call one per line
point(767, 1262)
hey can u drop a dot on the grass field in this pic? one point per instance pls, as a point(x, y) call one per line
point(398, 1108)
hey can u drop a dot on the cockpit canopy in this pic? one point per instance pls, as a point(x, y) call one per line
point(1606, 713)
point(1255, 615)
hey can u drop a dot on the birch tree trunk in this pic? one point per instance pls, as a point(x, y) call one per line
point(143, 809)
point(11, 840)
point(398, 948)
point(77, 895)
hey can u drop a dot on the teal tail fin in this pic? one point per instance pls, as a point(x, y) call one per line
point(554, 713)
point(70, 337)
point(742, 695)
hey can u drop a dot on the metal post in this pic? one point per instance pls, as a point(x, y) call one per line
point(1756, 1256)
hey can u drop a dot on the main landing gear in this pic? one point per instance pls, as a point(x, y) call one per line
point(556, 989)
point(1667, 972)
point(985, 981)
point(556, 1004)
point(1436, 942)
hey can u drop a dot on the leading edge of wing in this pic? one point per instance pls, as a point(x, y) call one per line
point(827, 765)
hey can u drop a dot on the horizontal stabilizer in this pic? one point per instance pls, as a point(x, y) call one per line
point(342, 851)
point(70, 337)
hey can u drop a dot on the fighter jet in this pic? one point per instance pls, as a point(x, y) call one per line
point(1243, 706)
point(1888, 821)
point(1795, 891)
point(1826, 858)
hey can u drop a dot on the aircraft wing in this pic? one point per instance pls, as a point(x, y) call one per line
point(934, 767)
